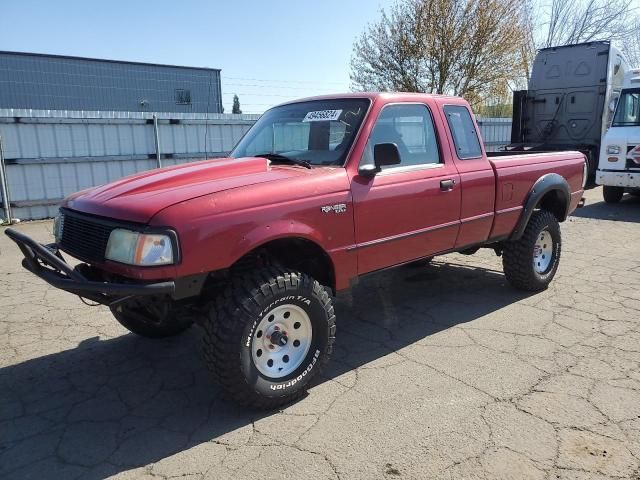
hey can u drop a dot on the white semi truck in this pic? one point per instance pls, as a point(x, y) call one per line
point(619, 165)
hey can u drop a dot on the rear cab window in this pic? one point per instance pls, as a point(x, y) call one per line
point(463, 130)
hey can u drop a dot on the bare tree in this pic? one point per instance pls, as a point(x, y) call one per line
point(388, 55)
point(577, 21)
point(564, 22)
point(631, 44)
point(463, 47)
point(528, 46)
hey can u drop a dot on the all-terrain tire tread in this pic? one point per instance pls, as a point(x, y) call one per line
point(517, 255)
point(221, 348)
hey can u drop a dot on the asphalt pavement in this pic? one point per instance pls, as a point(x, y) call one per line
point(442, 371)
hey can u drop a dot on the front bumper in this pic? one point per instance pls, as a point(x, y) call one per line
point(618, 179)
point(47, 262)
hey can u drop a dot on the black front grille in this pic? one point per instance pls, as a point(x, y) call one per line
point(84, 237)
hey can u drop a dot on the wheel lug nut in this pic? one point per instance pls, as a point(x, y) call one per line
point(276, 328)
point(271, 347)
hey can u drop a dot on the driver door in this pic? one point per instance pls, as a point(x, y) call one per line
point(410, 210)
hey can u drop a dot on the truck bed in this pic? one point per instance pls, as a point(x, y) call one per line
point(515, 175)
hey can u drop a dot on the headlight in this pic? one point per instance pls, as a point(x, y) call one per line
point(135, 248)
point(613, 149)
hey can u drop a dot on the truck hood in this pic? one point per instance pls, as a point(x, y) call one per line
point(629, 135)
point(137, 198)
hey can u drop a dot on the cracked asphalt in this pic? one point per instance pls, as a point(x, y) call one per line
point(441, 371)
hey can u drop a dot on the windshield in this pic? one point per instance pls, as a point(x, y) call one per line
point(319, 132)
point(628, 110)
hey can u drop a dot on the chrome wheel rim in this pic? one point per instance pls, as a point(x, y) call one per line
point(281, 341)
point(543, 252)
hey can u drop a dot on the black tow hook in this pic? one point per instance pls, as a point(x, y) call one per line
point(582, 202)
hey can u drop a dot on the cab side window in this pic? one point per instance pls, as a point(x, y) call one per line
point(464, 132)
point(411, 129)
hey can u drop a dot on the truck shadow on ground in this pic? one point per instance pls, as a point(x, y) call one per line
point(113, 405)
point(628, 210)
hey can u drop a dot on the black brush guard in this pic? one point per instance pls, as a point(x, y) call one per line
point(46, 262)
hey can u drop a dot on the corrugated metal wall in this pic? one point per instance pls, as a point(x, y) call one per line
point(496, 132)
point(48, 158)
point(51, 154)
point(56, 82)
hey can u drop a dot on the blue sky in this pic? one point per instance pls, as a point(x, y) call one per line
point(269, 51)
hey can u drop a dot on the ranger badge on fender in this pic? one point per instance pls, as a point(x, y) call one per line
point(339, 208)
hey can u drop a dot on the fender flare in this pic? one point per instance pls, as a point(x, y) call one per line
point(279, 230)
point(545, 184)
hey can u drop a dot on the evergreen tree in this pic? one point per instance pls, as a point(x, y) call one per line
point(236, 105)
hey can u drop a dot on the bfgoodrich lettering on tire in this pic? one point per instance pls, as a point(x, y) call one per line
point(268, 335)
point(531, 262)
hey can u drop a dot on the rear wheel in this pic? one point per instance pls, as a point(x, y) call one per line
point(612, 194)
point(268, 335)
point(152, 317)
point(531, 262)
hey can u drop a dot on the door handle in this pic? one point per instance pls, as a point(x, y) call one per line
point(447, 185)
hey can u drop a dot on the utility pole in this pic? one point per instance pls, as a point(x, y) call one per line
point(156, 133)
point(4, 187)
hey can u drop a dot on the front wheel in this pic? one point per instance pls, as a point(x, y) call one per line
point(152, 317)
point(531, 262)
point(268, 335)
point(612, 194)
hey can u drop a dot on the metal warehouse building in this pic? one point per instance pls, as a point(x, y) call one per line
point(55, 82)
point(68, 123)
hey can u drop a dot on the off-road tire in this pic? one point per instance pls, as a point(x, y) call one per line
point(151, 319)
point(612, 194)
point(517, 256)
point(230, 330)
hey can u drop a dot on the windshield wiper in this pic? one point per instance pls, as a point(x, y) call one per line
point(276, 157)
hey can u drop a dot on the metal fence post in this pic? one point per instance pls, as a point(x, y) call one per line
point(4, 186)
point(156, 133)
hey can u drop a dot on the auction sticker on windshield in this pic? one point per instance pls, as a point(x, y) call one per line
point(322, 116)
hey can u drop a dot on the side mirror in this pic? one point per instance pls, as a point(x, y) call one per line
point(384, 154)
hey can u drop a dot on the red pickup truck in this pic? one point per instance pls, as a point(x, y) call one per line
point(318, 193)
